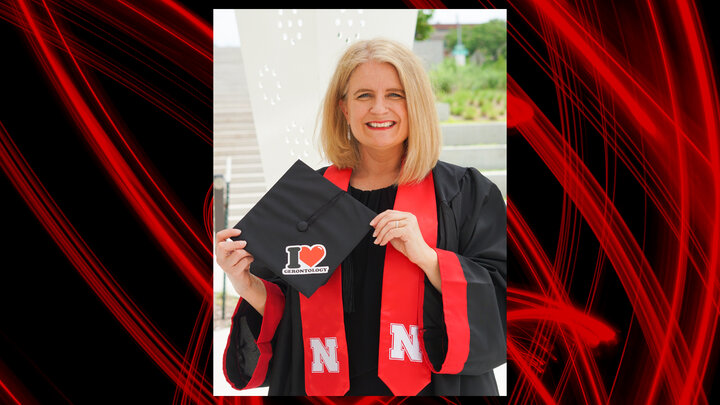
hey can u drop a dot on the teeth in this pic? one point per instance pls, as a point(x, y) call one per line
point(381, 125)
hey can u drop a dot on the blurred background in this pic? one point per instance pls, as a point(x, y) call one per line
point(271, 68)
point(469, 76)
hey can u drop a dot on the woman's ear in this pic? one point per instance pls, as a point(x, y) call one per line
point(343, 107)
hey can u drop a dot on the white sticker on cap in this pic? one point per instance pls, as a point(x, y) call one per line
point(304, 259)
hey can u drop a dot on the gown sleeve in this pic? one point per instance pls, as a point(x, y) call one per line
point(249, 349)
point(465, 326)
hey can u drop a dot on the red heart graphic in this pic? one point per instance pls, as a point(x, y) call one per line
point(311, 256)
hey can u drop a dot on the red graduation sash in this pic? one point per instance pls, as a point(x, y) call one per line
point(323, 325)
point(400, 367)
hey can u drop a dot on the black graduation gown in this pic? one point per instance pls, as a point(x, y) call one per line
point(472, 225)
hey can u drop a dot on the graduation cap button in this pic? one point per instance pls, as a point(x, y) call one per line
point(302, 226)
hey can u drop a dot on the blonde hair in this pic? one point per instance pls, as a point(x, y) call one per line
point(422, 147)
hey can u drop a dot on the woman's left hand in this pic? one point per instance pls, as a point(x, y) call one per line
point(401, 229)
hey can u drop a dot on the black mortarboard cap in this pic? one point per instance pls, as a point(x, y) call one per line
point(303, 228)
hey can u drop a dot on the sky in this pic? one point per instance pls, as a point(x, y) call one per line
point(467, 16)
point(225, 31)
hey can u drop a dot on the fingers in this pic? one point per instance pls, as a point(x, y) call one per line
point(381, 232)
point(239, 256)
point(389, 234)
point(389, 217)
point(224, 246)
point(231, 255)
point(392, 229)
point(227, 233)
point(236, 262)
point(227, 247)
point(381, 216)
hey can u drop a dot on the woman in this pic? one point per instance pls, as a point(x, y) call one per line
point(422, 296)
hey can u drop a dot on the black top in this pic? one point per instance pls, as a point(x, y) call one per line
point(362, 275)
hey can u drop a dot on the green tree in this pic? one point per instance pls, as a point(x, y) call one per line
point(422, 28)
point(489, 38)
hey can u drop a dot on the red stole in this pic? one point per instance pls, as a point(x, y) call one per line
point(400, 362)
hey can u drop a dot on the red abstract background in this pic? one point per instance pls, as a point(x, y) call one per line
point(613, 202)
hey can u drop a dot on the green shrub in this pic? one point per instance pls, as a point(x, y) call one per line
point(469, 112)
point(489, 110)
point(443, 77)
point(462, 96)
point(483, 87)
point(456, 108)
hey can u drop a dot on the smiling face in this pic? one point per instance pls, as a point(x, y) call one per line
point(375, 107)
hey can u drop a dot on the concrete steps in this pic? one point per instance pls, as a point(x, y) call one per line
point(234, 136)
point(473, 134)
point(482, 146)
point(236, 150)
point(483, 157)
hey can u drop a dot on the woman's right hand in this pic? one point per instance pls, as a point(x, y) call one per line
point(234, 259)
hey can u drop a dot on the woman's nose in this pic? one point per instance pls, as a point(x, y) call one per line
point(378, 105)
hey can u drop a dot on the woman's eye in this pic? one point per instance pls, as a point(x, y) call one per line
point(364, 95)
point(396, 95)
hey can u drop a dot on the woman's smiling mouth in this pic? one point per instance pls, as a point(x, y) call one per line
point(380, 124)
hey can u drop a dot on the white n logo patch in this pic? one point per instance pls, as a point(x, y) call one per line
point(324, 354)
point(402, 343)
